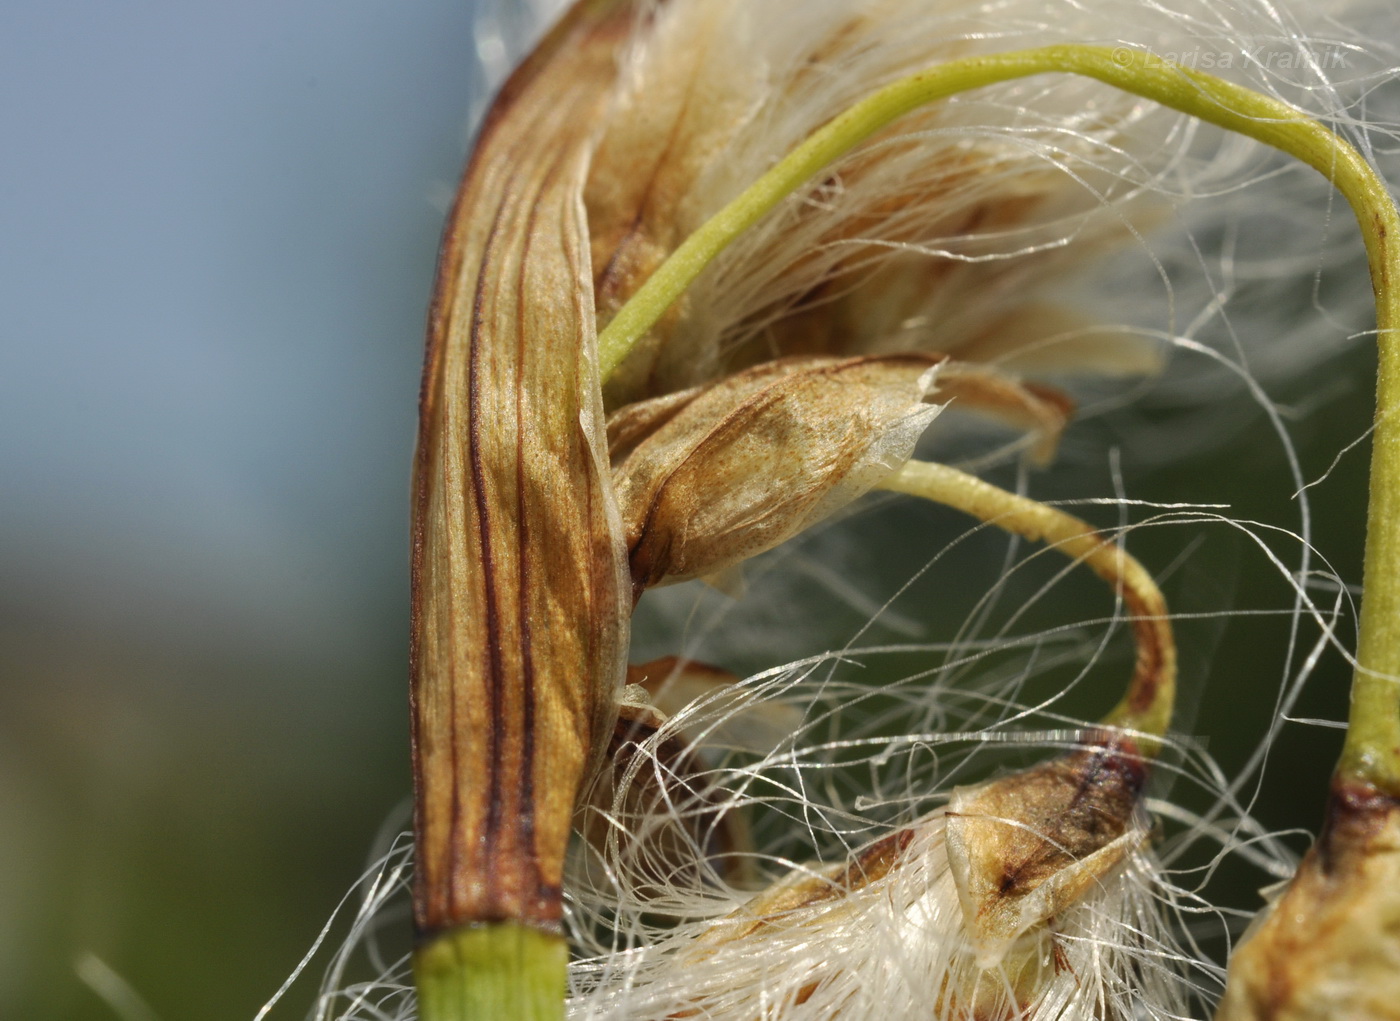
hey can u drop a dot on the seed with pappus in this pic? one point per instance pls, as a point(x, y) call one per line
point(1032, 896)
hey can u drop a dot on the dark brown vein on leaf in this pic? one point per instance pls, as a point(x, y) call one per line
point(490, 836)
point(526, 805)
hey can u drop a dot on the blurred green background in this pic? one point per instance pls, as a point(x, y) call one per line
point(219, 227)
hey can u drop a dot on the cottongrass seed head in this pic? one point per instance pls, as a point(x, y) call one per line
point(800, 844)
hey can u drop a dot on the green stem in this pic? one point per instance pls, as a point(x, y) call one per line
point(1372, 749)
point(492, 972)
point(1146, 707)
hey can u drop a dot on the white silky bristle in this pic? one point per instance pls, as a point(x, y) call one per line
point(898, 949)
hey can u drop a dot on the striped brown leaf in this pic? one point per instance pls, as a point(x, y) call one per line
point(519, 592)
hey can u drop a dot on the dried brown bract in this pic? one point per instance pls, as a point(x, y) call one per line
point(756, 458)
point(1027, 847)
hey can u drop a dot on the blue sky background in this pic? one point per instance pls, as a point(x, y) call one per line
point(219, 225)
point(220, 228)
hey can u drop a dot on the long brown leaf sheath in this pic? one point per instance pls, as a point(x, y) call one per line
point(520, 590)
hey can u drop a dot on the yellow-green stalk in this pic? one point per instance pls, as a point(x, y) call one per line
point(1146, 707)
point(501, 970)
